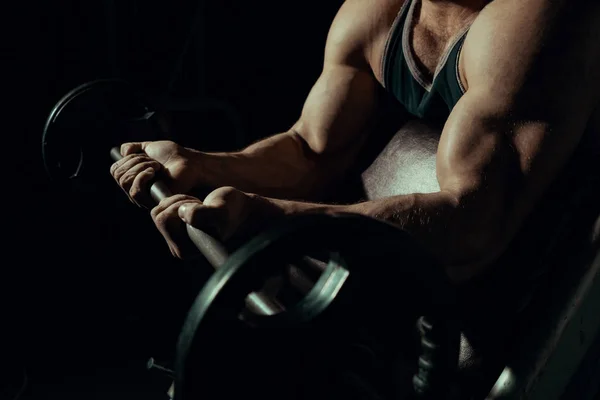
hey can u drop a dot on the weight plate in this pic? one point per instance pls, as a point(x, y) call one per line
point(84, 124)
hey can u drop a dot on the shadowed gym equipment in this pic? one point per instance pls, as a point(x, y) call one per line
point(117, 110)
point(330, 329)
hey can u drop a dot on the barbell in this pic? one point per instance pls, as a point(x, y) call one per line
point(354, 292)
point(81, 138)
point(97, 116)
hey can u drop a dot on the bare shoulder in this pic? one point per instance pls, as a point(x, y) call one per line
point(533, 74)
point(536, 47)
point(358, 33)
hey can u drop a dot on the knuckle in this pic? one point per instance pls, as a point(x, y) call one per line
point(161, 219)
point(117, 171)
point(135, 192)
point(228, 193)
point(228, 190)
point(126, 179)
point(154, 213)
point(137, 158)
point(139, 185)
point(179, 197)
point(147, 164)
point(126, 147)
point(132, 159)
point(159, 208)
point(166, 202)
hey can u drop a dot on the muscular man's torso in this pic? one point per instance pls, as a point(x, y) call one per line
point(407, 164)
point(428, 39)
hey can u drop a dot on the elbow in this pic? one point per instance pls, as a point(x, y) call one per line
point(324, 165)
point(313, 144)
point(324, 147)
point(312, 174)
point(475, 248)
point(310, 151)
point(478, 236)
point(486, 245)
point(314, 158)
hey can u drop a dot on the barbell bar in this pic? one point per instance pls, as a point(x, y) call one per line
point(213, 250)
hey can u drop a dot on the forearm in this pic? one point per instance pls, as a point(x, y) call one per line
point(455, 234)
point(281, 166)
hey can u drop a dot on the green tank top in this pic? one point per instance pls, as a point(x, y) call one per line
point(432, 101)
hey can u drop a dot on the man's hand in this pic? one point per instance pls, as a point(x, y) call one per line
point(141, 162)
point(226, 212)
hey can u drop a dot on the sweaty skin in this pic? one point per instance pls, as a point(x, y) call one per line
point(532, 76)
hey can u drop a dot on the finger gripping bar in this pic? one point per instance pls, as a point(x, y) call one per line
point(211, 248)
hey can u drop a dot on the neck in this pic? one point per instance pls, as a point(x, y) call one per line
point(472, 4)
point(450, 12)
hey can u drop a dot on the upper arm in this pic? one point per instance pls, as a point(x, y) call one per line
point(342, 101)
point(533, 74)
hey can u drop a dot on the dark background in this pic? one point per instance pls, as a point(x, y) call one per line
point(89, 289)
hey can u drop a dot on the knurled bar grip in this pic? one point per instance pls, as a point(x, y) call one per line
point(213, 250)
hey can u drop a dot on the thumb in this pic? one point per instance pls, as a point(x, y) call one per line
point(133, 148)
point(211, 218)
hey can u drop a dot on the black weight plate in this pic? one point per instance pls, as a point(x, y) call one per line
point(329, 318)
point(84, 125)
